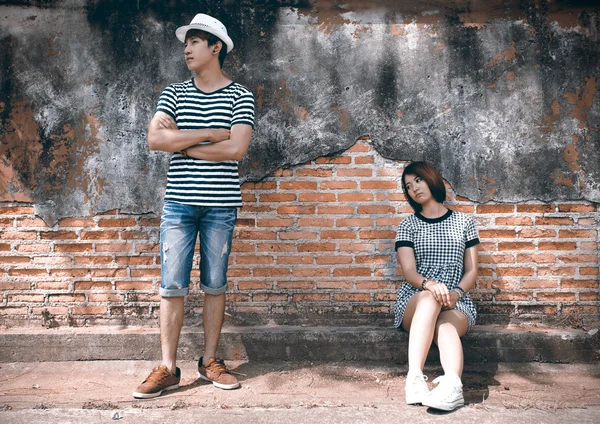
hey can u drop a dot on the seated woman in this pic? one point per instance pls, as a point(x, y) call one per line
point(438, 255)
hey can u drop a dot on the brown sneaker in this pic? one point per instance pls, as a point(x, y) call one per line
point(159, 379)
point(215, 370)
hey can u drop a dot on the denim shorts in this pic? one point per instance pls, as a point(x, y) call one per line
point(180, 226)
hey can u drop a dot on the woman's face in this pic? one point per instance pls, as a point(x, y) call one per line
point(417, 189)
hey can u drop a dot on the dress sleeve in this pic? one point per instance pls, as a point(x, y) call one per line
point(167, 101)
point(405, 235)
point(471, 235)
point(243, 109)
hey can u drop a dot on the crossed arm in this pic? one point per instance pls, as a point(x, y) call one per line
point(164, 135)
point(406, 258)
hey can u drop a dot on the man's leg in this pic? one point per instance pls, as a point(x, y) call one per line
point(212, 315)
point(171, 321)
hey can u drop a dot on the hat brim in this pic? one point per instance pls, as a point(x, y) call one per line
point(181, 31)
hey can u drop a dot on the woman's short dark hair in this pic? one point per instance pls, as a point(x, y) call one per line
point(428, 174)
point(211, 40)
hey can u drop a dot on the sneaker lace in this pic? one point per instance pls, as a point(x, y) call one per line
point(156, 376)
point(218, 367)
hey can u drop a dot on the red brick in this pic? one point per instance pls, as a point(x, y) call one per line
point(578, 284)
point(147, 248)
point(255, 285)
point(135, 260)
point(52, 285)
point(254, 259)
point(388, 222)
point(268, 297)
point(110, 272)
point(302, 285)
point(31, 222)
point(578, 207)
point(12, 311)
point(316, 197)
point(364, 160)
point(297, 235)
point(105, 297)
point(80, 272)
point(134, 285)
point(580, 310)
point(355, 197)
point(4, 247)
point(17, 210)
point(539, 284)
point(588, 245)
point(371, 309)
point(537, 309)
point(588, 270)
point(586, 221)
point(377, 234)
point(296, 210)
point(515, 246)
point(294, 260)
point(93, 260)
point(257, 235)
point(93, 285)
point(36, 248)
point(338, 185)
point(496, 259)
point(53, 310)
point(381, 259)
point(315, 222)
point(72, 247)
point(335, 210)
point(58, 235)
point(263, 185)
point(137, 235)
point(578, 233)
point(5, 260)
point(117, 222)
point(536, 233)
point(324, 173)
point(470, 209)
point(556, 271)
point(545, 208)
point(62, 298)
point(555, 296)
point(485, 209)
point(310, 297)
point(497, 234)
point(553, 245)
point(375, 210)
point(77, 222)
point(149, 222)
point(297, 185)
point(536, 258)
point(242, 247)
point(359, 147)
point(589, 296)
point(390, 172)
point(338, 234)
point(354, 222)
point(110, 212)
point(271, 272)
point(114, 247)
point(516, 272)
point(516, 221)
point(38, 298)
point(275, 222)
point(248, 198)
point(100, 235)
point(379, 185)
point(357, 247)
point(571, 259)
point(343, 160)
point(553, 221)
point(332, 260)
point(311, 272)
point(352, 297)
point(145, 273)
point(52, 260)
point(276, 247)
point(512, 296)
point(354, 172)
point(20, 235)
point(278, 197)
point(28, 273)
point(89, 310)
point(316, 247)
point(352, 272)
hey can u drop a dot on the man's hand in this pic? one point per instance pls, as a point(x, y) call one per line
point(165, 122)
point(220, 135)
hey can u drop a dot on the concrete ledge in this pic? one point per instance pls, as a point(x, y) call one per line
point(317, 344)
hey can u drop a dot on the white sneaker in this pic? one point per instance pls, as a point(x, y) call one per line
point(448, 395)
point(416, 388)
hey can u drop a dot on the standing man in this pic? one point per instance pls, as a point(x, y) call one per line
point(206, 122)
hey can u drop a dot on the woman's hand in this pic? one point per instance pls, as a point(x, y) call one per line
point(440, 293)
point(453, 299)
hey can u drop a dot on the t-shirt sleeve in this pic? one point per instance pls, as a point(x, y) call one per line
point(167, 101)
point(405, 235)
point(471, 235)
point(243, 109)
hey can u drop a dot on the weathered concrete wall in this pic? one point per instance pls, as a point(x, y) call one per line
point(501, 95)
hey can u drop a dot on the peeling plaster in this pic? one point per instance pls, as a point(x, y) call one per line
point(501, 96)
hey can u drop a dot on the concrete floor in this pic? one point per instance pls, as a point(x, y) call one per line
point(100, 391)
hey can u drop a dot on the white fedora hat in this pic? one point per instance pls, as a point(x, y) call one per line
point(208, 24)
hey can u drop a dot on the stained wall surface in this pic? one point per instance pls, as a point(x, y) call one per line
point(502, 96)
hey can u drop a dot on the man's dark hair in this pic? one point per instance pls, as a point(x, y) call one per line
point(211, 40)
point(428, 174)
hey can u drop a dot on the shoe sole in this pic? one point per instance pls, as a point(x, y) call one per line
point(138, 395)
point(414, 401)
point(219, 385)
point(446, 406)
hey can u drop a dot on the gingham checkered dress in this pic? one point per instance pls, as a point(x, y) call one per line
point(439, 245)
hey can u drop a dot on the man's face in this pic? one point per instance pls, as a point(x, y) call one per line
point(197, 53)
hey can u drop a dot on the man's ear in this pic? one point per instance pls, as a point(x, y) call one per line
point(216, 48)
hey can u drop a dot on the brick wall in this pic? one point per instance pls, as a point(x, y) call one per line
point(313, 245)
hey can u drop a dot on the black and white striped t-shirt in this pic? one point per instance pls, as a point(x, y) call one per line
point(200, 182)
